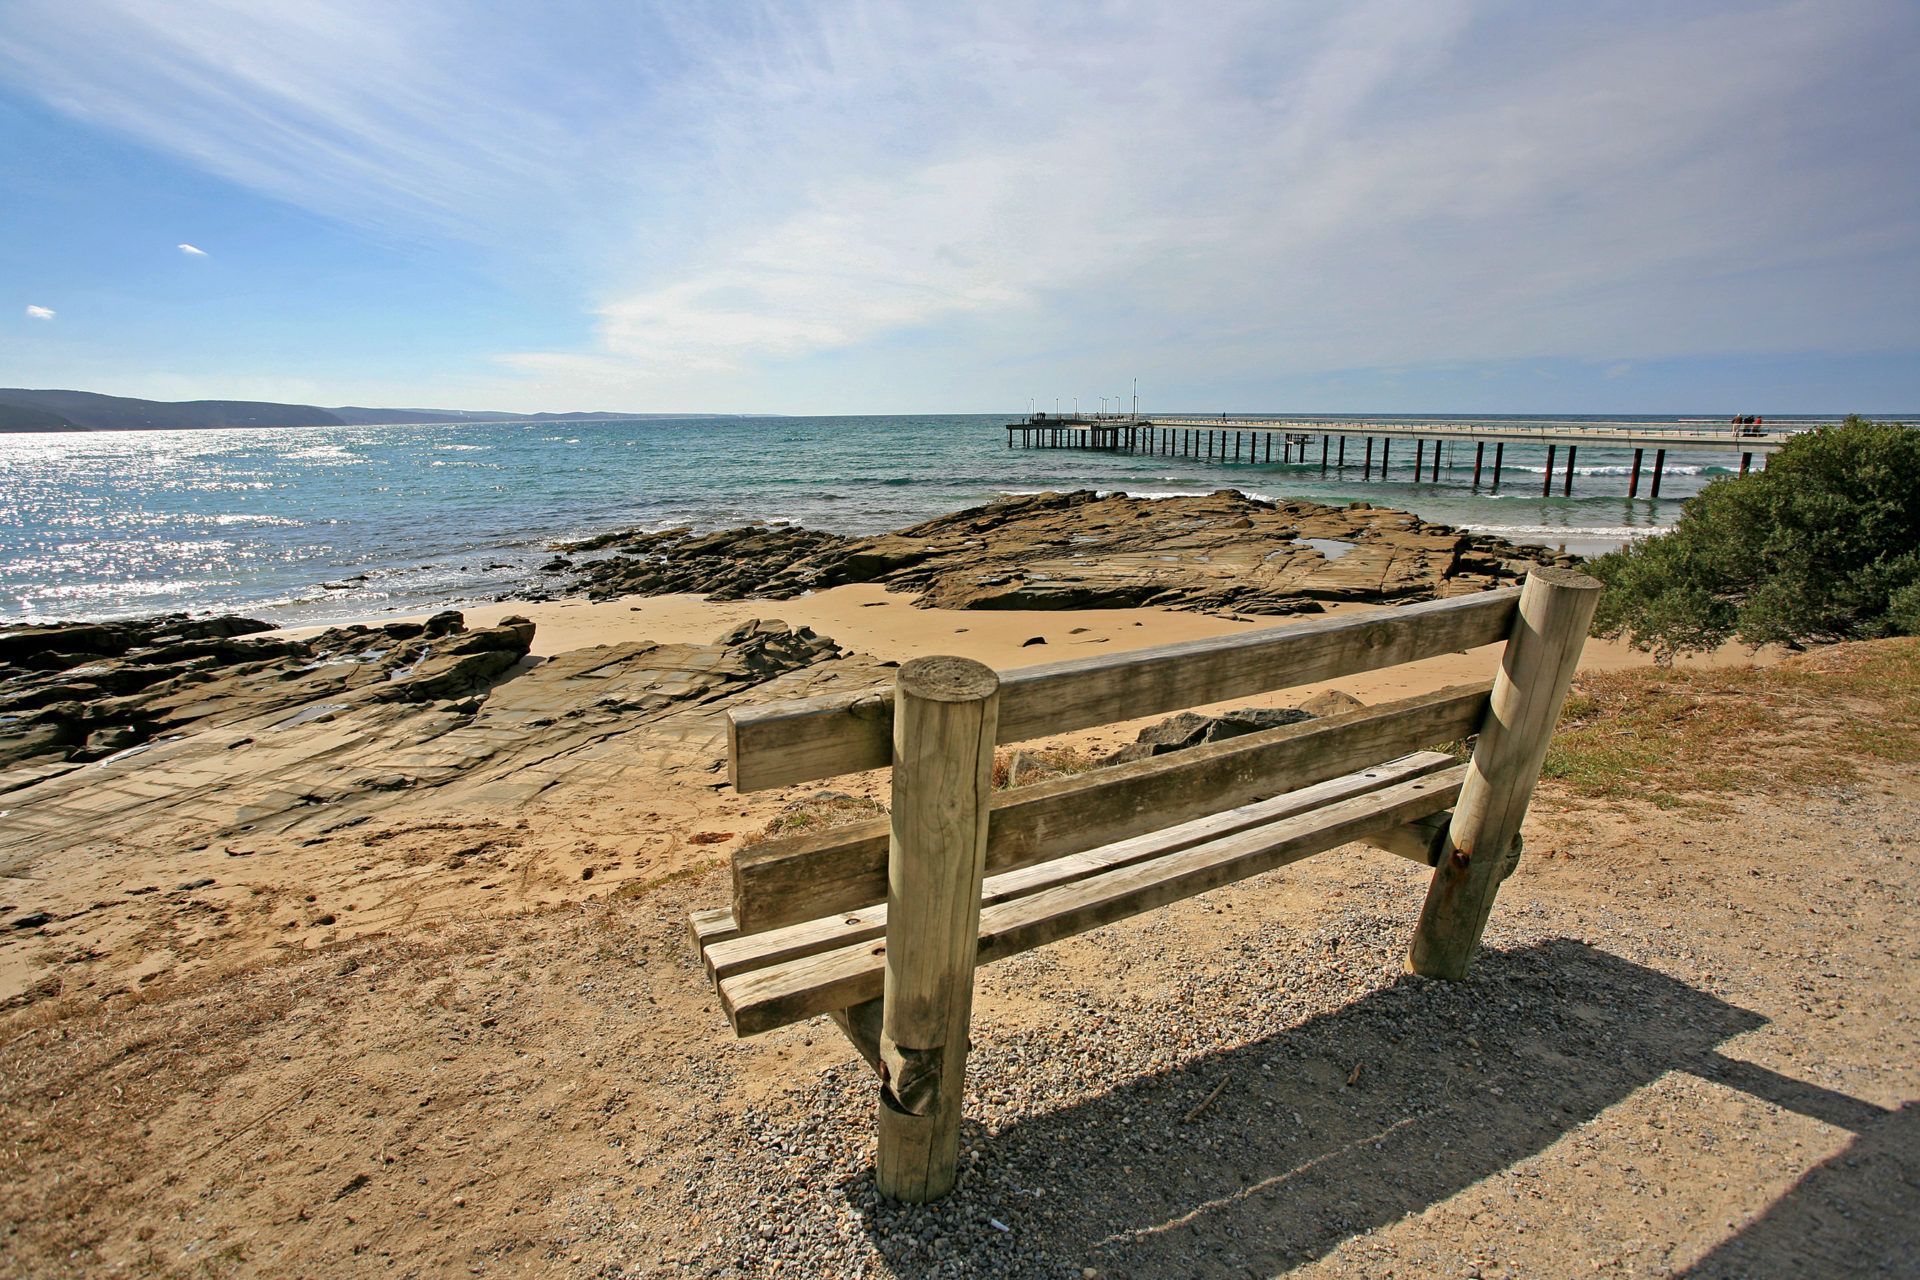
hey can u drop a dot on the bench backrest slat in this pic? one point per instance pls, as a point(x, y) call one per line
point(791, 742)
point(807, 877)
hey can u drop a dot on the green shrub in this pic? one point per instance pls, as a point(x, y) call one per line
point(1822, 545)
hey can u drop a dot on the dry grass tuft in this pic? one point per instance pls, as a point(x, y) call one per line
point(1036, 764)
point(1683, 738)
point(821, 811)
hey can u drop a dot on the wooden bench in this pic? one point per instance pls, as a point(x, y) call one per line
point(881, 925)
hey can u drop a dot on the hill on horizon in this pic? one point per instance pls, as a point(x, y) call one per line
point(26, 409)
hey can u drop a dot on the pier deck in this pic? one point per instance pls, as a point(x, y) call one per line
point(1230, 439)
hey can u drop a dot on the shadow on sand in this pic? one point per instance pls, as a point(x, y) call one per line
point(1456, 1082)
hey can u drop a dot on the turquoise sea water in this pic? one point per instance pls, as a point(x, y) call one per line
point(330, 523)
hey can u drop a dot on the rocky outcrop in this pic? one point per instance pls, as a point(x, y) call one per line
point(299, 750)
point(81, 692)
point(729, 564)
point(1224, 552)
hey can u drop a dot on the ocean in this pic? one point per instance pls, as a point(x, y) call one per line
point(327, 524)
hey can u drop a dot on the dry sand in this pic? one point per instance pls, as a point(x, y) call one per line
point(870, 619)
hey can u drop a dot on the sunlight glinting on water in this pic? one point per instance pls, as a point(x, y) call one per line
point(327, 523)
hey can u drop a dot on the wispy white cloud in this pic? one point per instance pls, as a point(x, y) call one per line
point(893, 203)
point(40, 313)
point(191, 251)
point(1291, 191)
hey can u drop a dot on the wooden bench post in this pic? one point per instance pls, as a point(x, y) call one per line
point(1556, 606)
point(946, 713)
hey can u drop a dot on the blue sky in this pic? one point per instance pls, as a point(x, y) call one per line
point(1393, 206)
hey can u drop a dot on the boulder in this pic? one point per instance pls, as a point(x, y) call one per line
point(1191, 729)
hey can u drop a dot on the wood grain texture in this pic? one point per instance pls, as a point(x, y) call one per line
point(785, 743)
point(787, 881)
point(710, 925)
point(944, 715)
point(728, 957)
point(1416, 841)
point(1556, 607)
point(762, 999)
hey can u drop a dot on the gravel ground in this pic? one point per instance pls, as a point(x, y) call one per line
point(1245, 1085)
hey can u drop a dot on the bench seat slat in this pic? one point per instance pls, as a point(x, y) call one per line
point(809, 877)
point(762, 999)
point(727, 956)
point(710, 925)
point(783, 743)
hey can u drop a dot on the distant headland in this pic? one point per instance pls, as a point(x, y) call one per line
point(22, 409)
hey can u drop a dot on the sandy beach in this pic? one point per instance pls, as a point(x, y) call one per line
point(630, 816)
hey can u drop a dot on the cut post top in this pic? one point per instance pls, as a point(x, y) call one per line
point(1566, 579)
point(943, 678)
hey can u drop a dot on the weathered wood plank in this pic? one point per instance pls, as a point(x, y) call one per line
point(766, 998)
point(808, 877)
point(789, 742)
point(745, 952)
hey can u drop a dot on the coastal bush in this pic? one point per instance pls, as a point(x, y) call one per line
point(1822, 545)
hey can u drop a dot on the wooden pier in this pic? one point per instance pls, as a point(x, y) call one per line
point(1256, 440)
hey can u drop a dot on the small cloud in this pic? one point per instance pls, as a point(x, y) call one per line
point(1620, 370)
point(40, 313)
point(191, 251)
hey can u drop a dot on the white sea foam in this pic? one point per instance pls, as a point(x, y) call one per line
point(1672, 469)
point(1568, 533)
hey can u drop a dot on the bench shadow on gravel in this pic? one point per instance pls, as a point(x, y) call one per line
point(1288, 1160)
